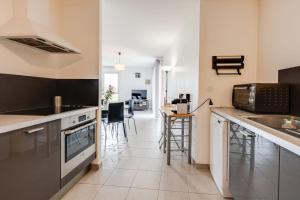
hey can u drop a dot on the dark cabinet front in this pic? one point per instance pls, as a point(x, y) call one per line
point(253, 167)
point(289, 175)
point(30, 162)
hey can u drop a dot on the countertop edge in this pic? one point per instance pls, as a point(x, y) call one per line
point(40, 119)
point(286, 141)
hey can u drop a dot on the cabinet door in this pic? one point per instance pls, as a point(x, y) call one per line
point(30, 162)
point(289, 175)
point(216, 149)
point(219, 153)
point(254, 166)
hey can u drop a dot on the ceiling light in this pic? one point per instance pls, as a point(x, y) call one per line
point(119, 66)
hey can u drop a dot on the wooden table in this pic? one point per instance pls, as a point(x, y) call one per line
point(168, 117)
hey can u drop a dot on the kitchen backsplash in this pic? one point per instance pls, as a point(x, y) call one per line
point(78, 91)
point(26, 92)
point(292, 76)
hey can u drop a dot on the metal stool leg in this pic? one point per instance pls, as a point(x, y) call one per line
point(128, 122)
point(134, 125)
point(125, 131)
point(182, 135)
point(169, 141)
point(190, 141)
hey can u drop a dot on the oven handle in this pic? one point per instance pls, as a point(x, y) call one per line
point(69, 132)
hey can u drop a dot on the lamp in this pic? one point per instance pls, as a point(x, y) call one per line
point(166, 69)
point(210, 103)
point(119, 66)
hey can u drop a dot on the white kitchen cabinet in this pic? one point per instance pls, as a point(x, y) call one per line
point(219, 153)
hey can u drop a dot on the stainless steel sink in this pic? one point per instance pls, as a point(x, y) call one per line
point(287, 124)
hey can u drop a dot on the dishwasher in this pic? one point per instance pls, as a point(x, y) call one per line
point(219, 153)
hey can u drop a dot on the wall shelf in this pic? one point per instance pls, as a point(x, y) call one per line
point(228, 63)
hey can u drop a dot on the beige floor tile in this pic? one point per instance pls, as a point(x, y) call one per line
point(181, 166)
point(129, 163)
point(151, 164)
point(134, 153)
point(147, 179)
point(151, 153)
point(110, 163)
point(169, 168)
point(142, 194)
point(167, 195)
point(138, 170)
point(194, 196)
point(201, 184)
point(173, 182)
point(121, 177)
point(82, 192)
point(97, 177)
point(135, 142)
point(112, 193)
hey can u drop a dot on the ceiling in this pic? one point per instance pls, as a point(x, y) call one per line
point(141, 29)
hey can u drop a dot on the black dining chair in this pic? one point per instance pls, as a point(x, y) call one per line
point(115, 116)
point(130, 114)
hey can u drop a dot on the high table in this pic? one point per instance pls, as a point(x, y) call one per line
point(169, 119)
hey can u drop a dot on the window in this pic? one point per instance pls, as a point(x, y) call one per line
point(112, 79)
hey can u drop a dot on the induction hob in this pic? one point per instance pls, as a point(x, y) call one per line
point(45, 111)
point(287, 124)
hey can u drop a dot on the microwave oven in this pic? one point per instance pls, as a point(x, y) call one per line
point(262, 98)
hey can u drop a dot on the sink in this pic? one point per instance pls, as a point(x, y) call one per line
point(284, 123)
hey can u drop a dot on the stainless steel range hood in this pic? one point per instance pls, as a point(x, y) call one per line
point(23, 30)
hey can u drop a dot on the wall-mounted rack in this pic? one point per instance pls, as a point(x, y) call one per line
point(228, 63)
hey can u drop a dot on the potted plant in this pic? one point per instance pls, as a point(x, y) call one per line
point(108, 94)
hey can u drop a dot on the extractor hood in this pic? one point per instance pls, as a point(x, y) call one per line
point(23, 30)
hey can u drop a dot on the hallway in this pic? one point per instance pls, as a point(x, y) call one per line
point(137, 170)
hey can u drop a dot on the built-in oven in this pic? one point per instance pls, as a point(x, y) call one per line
point(77, 143)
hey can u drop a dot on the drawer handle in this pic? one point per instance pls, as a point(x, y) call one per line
point(34, 130)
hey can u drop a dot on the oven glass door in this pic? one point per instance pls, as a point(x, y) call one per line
point(79, 139)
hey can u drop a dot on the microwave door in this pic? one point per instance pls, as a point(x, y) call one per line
point(242, 97)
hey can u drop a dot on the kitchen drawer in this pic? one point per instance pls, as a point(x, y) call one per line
point(30, 162)
point(289, 180)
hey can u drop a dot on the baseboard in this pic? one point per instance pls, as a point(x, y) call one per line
point(96, 166)
point(76, 179)
point(200, 166)
point(71, 184)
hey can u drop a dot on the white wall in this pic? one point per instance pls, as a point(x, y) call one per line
point(80, 25)
point(226, 28)
point(183, 56)
point(128, 82)
point(279, 33)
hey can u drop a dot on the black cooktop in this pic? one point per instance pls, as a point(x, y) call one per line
point(45, 111)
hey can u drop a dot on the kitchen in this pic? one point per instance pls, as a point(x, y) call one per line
point(269, 43)
point(49, 96)
point(259, 160)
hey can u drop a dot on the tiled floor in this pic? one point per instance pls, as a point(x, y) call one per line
point(137, 170)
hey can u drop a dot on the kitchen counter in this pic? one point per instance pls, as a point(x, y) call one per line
point(240, 117)
point(14, 122)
